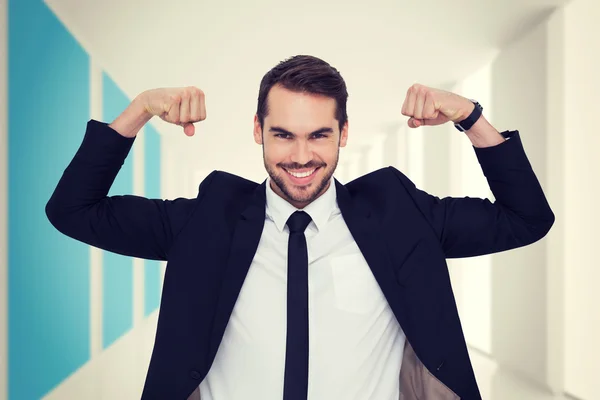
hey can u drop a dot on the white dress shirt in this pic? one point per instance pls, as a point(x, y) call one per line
point(355, 342)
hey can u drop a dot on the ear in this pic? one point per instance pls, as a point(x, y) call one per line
point(344, 135)
point(258, 137)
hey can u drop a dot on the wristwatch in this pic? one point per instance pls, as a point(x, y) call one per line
point(468, 122)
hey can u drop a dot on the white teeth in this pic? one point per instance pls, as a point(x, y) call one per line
point(301, 174)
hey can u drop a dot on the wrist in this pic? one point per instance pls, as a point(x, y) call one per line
point(483, 134)
point(132, 119)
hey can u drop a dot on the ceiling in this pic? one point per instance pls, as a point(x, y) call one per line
point(225, 47)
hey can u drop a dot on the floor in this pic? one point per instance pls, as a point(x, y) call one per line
point(498, 384)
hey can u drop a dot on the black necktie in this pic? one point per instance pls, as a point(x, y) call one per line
point(295, 386)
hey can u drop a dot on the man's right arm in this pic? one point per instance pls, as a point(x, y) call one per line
point(126, 224)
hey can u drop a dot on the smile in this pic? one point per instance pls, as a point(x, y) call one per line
point(302, 177)
point(304, 174)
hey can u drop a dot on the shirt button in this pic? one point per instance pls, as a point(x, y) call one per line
point(195, 374)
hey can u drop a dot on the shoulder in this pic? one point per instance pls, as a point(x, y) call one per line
point(387, 189)
point(386, 181)
point(226, 185)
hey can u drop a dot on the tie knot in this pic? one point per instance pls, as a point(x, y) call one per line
point(298, 222)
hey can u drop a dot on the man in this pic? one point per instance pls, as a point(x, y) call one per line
point(301, 287)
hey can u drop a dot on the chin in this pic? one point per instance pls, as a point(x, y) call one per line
point(305, 191)
point(300, 187)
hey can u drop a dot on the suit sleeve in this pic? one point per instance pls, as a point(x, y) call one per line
point(126, 224)
point(520, 214)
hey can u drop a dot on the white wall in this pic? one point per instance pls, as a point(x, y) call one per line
point(581, 218)
point(3, 200)
point(551, 91)
point(544, 317)
point(555, 164)
point(519, 293)
point(510, 303)
point(545, 324)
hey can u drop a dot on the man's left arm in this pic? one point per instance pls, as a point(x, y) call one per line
point(471, 226)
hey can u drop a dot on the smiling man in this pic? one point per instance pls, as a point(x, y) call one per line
point(301, 287)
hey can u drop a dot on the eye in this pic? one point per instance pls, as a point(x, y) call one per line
point(282, 135)
point(318, 136)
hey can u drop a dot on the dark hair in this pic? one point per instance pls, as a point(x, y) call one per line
point(306, 74)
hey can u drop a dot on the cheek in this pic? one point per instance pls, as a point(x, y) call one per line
point(275, 154)
point(328, 153)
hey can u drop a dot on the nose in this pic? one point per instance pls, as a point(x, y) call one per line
point(302, 153)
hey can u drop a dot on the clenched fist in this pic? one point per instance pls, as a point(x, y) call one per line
point(181, 106)
point(428, 106)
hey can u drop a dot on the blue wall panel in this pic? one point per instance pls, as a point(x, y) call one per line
point(48, 273)
point(152, 163)
point(117, 271)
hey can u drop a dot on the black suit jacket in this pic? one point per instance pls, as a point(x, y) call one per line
point(209, 241)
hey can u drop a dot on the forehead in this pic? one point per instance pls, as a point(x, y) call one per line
point(299, 110)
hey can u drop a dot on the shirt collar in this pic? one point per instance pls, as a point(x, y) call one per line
point(320, 210)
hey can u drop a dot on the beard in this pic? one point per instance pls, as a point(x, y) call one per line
point(305, 194)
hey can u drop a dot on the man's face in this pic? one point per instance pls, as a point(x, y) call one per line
point(301, 141)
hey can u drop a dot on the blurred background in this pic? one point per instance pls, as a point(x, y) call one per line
point(77, 322)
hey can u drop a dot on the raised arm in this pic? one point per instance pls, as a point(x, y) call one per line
point(520, 214)
point(129, 225)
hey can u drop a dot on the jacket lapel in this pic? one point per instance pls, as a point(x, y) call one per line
point(367, 234)
point(246, 238)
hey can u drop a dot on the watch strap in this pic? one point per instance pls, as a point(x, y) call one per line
point(468, 122)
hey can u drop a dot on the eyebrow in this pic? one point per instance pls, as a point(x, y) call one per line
point(318, 131)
